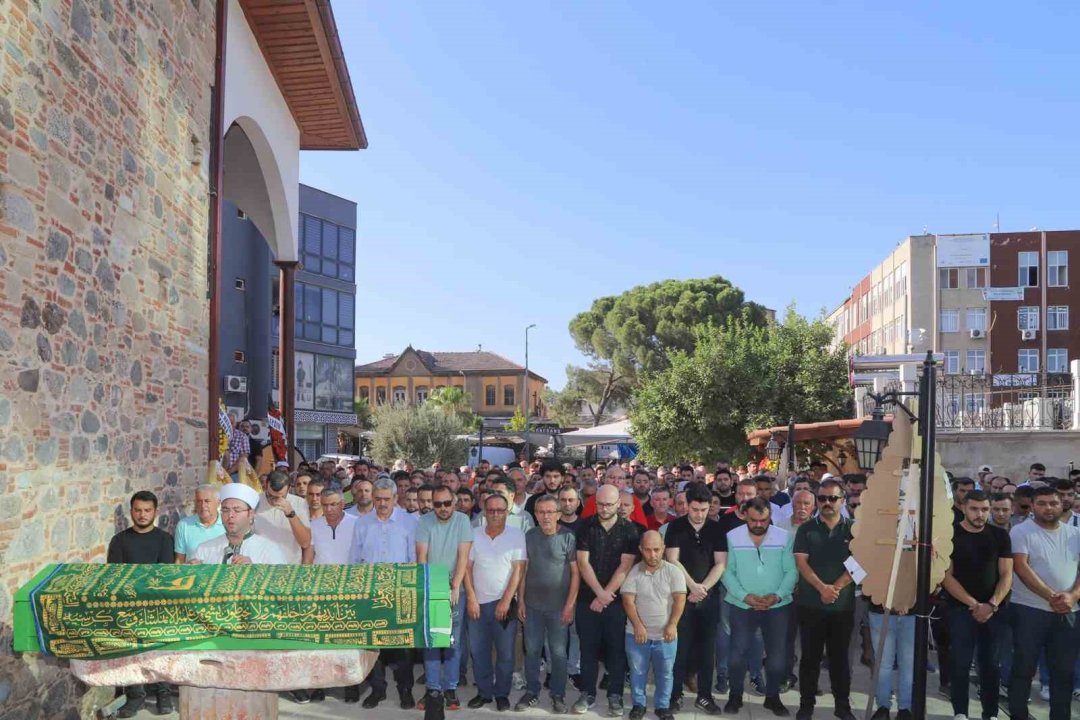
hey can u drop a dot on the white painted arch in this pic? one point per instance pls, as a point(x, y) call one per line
point(261, 163)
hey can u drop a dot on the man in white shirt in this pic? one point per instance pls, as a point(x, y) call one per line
point(496, 564)
point(241, 544)
point(284, 519)
point(387, 535)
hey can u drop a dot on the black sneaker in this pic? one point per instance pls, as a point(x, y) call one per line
point(614, 707)
point(164, 703)
point(478, 702)
point(528, 700)
point(758, 684)
point(131, 708)
point(805, 712)
point(722, 686)
point(733, 705)
point(665, 714)
point(637, 712)
point(844, 713)
point(434, 698)
point(352, 694)
point(318, 695)
point(772, 702)
point(407, 702)
point(373, 699)
point(904, 715)
point(502, 704)
point(882, 713)
point(450, 700)
point(707, 705)
point(302, 697)
point(675, 703)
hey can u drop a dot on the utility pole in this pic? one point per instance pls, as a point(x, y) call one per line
point(525, 395)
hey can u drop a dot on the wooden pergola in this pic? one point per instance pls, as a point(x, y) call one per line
point(834, 440)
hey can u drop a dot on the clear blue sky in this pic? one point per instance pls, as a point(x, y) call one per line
point(527, 158)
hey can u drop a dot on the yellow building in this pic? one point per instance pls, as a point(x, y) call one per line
point(493, 383)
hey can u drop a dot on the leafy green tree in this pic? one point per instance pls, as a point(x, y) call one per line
point(741, 376)
point(455, 401)
point(363, 413)
point(518, 422)
point(422, 435)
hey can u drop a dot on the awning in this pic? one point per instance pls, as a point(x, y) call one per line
point(611, 433)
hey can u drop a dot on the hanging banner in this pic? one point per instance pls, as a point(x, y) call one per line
point(963, 250)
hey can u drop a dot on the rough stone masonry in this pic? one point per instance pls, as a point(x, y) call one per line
point(103, 243)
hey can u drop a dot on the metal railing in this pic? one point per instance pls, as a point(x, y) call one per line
point(1014, 401)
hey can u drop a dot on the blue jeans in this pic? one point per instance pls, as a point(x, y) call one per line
point(544, 627)
point(773, 625)
point(443, 665)
point(484, 634)
point(899, 652)
point(1034, 631)
point(662, 657)
point(723, 643)
point(970, 639)
point(604, 629)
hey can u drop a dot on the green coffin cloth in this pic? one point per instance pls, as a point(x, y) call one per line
point(92, 611)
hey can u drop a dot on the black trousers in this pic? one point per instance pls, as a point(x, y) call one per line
point(697, 642)
point(402, 662)
point(821, 631)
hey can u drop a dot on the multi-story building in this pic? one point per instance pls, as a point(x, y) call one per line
point(990, 303)
point(325, 316)
point(492, 383)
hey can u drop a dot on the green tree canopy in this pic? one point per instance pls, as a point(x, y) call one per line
point(454, 400)
point(422, 435)
point(741, 376)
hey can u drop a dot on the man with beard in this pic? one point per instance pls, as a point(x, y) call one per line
point(760, 578)
point(569, 507)
point(285, 519)
point(424, 498)
point(606, 550)
point(826, 602)
point(1045, 557)
point(143, 543)
point(961, 486)
point(1000, 511)
point(445, 537)
point(697, 546)
point(642, 486)
point(724, 488)
point(361, 493)
point(241, 544)
point(204, 525)
point(802, 506)
point(977, 583)
point(552, 474)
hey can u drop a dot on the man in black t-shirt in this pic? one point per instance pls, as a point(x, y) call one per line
point(698, 547)
point(977, 582)
point(142, 544)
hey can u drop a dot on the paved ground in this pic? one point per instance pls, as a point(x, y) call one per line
point(938, 707)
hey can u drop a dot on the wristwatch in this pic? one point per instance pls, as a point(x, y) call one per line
point(993, 606)
point(291, 514)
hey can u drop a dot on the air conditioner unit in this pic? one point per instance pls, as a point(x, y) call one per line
point(235, 384)
point(1027, 334)
point(977, 334)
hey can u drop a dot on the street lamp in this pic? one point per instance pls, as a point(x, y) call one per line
point(869, 439)
point(525, 394)
point(772, 450)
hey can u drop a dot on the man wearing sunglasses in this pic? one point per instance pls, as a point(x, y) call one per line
point(825, 601)
point(444, 537)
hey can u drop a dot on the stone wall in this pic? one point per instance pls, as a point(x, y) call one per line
point(104, 122)
point(1009, 453)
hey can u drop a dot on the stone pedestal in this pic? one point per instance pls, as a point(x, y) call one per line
point(214, 704)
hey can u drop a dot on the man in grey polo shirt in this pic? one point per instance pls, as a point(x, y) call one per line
point(654, 596)
point(444, 537)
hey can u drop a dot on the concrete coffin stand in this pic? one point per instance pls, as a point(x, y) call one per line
point(231, 684)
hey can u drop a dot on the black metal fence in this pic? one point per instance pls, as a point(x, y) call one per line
point(1025, 401)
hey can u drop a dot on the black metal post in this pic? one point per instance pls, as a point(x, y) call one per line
point(791, 445)
point(927, 423)
point(480, 450)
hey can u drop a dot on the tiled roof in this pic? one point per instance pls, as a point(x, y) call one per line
point(449, 362)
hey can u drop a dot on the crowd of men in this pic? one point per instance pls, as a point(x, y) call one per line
point(710, 579)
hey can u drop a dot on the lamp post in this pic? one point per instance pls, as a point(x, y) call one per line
point(870, 438)
point(772, 450)
point(525, 395)
point(791, 445)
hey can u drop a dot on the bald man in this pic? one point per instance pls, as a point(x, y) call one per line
point(654, 596)
point(607, 547)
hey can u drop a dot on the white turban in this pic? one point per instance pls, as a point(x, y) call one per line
point(239, 491)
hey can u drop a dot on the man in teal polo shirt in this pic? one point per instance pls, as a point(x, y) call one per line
point(205, 524)
point(825, 601)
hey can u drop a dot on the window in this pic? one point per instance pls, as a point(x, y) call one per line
point(976, 277)
point(949, 278)
point(325, 315)
point(364, 394)
point(1027, 317)
point(1029, 269)
point(327, 249)
point(1057, 317)
point(508, 394)
point(421, 395)
point(1057, 270)
point(952, 362)
point(950, 321)
point(380, 396)
point(901, 281)
point(1027, 360)
point(400, 398)
point(1057, 360)
point(976, 362)
point(976, 319)
point(489, 395)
